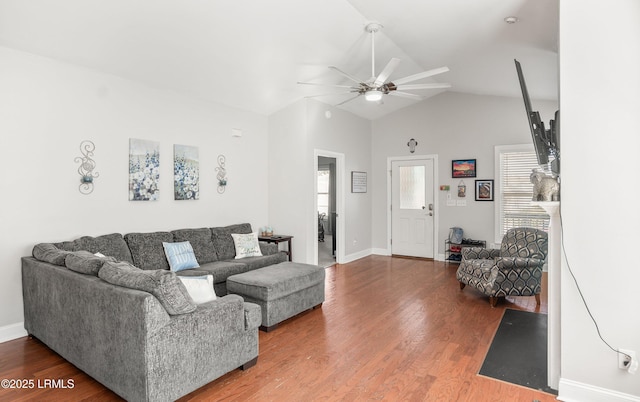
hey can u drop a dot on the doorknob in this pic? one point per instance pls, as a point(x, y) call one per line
point(423, 207)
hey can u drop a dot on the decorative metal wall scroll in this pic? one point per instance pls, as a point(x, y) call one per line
point(87, 165)
point(222, 174)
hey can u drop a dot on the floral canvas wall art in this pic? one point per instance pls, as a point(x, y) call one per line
point(186, 172)
point(144, 170)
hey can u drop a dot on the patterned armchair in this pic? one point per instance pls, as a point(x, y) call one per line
point(514, 270)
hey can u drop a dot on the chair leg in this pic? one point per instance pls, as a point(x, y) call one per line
point(538, 299)
point(493, 301)
point(462, 285)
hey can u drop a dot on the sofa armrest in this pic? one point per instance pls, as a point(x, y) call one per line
point(504, 263)
point(268, 248)
point(474, 253)
point(252, 311)
point(252, 315)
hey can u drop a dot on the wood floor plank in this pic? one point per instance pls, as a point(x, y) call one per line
point(390, 329)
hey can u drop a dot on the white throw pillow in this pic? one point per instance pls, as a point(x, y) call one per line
point(200, 288)
point(246, 245)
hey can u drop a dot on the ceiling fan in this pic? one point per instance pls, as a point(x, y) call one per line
point(375, 87)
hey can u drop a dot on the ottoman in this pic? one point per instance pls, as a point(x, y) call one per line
point(282, 290)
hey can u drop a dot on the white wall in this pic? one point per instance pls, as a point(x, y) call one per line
point(453, 126)
point(290, 169)
point(294, 134)
point(47, 108)
point(600, 100)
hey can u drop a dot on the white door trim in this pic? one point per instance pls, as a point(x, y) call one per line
point(436, 214)
point(340, 194)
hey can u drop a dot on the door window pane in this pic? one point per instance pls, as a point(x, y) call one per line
point(412, 190)
point(323, 192)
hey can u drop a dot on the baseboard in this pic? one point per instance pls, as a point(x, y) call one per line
point(573, 391)
point(384, 251)
point(380, 251)
point(356, 256)
point(12, 331)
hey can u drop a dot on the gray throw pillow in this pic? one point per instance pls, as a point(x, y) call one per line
point(49, 253)
point(202, 242)
point(147, 249)
point(223, 242)
point(111, 245)
point(164, 285)
point(85, 262)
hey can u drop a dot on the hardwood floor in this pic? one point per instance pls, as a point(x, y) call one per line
point(391, 329)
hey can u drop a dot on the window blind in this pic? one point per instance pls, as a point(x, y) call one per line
point(516, 192)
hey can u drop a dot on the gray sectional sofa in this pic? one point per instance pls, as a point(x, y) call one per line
point(128, 322)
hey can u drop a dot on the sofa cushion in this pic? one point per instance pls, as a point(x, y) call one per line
point(66, 245)
point(147, 250)
point(201, 240)
point(111, 245)
point(223, 242)
point(47, 252)
point(180, 256)
point(200, 288)
point(263, 261)
point(220, 269)
point(85, 262)
point(246, 245)
point(164, 285)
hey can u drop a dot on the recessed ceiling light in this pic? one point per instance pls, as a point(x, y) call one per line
point(511, 20)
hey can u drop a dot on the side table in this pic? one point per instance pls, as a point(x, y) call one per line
point(277, 239)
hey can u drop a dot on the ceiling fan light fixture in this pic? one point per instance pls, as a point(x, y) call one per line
point(373, 95)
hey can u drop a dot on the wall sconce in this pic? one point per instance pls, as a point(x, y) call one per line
point(87, 165)
point(412, 145)
point(222, 174)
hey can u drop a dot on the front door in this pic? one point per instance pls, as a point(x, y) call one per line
point(412, 208)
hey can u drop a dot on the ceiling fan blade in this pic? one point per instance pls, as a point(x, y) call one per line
point(334, 93)
point(406, 95)
point(388, 70)
point(421, 75)
point(346, 75)
point(348, 100)
point(326, 85)
point(424, 86)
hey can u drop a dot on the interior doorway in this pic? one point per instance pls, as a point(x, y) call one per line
point(326, 198)
point(328, 211)
point(413, 206)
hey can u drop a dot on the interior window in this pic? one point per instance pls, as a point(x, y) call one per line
point(514, 207)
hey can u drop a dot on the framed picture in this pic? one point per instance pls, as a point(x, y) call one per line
point(484, 190)
point(144, 170)
point(358, 182)
point(186, 172)
point(463, 168)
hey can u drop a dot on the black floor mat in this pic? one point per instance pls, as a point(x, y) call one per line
point(518, 352)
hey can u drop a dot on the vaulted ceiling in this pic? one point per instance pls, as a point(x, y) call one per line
point(250, 54)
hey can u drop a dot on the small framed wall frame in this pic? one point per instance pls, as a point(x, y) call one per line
point(358, 182)
point(484, 190)
point(463, 168)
